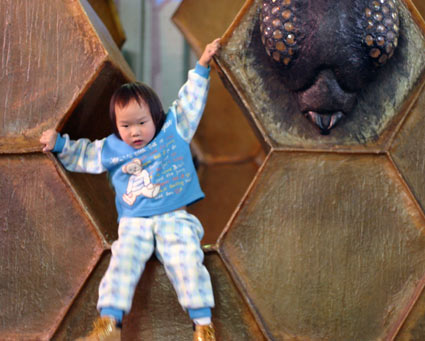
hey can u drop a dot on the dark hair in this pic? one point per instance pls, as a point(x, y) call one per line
point(142, 93)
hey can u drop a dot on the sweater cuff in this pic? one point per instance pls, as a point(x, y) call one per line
point(60, 143)
point(199, 313)
point(202, 71)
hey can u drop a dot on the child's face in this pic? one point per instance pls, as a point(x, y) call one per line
point(135, 124)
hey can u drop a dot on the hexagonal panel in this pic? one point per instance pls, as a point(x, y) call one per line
point(81, 315)
point(201, 21)
point(48, 247)
point(379, 107)
point(52, 54)
point(223, 185)
point(224, 134)
point(408, 150)
point(328, 246)
point(414, 327)
point(231, 315)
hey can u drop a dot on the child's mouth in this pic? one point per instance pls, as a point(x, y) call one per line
point(137, 142)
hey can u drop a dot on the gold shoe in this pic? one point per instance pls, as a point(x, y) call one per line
point(204, 333)
point(104, 329)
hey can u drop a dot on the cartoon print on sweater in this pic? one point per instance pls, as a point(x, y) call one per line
point(139, 182)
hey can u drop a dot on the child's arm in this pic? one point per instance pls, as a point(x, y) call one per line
point(80, 156)
point(192, 97)
point(210, 50)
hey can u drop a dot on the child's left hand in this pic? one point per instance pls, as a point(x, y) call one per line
point(210, 50)
point(48, 140)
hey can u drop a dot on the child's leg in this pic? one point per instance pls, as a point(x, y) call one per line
point(129, 255)
point(178, 235)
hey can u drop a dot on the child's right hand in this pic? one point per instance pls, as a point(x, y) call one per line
point(48, 139)
point(210, 50)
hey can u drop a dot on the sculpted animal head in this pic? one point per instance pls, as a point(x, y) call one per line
point(327, 50)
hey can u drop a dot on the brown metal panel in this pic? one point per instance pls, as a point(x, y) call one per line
point(223, 185)
point(107, 11)
point(377, 114)
point(420, 5)
point(114, 55)
point(232, 318)
point(90, 118)
point(414, 327)
point(52, 52)
point(224, 134)
point(80, 317)
point(328, 246)
point(97, 196)
point(408, 150)
point(201, 21)
point(48, 247)
point(39, 50)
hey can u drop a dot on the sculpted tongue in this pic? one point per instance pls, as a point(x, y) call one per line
point(325, 122)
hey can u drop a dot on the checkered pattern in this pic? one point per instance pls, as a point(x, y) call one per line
point(175, 238)
point(82, 155)
point(190, 104)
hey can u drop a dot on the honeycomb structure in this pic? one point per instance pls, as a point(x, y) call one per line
point(60, 66)
point(323, 235)
point(328, 241)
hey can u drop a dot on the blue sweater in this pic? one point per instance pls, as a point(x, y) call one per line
point(158, 178)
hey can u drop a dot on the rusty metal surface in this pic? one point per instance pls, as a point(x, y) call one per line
point(48, 247)
point(97, 196)
point(328, 246)
point(90, 118)
point(80, 317)
point(233, 319)
point(107, 11)
point(224, 185)
point(158, 316)
point(201, 21)
point(408, 150)
point(224, 134)
point(374, 119)
point(59, 67)
point(414, 327)
point(420, 5)
point(48, 61)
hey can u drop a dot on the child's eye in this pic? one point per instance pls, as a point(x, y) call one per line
point(125, 126)
point(143, 122)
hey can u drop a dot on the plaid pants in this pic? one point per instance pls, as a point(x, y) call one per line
point(175, 237)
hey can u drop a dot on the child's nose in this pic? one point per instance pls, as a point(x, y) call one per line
point(135, 131)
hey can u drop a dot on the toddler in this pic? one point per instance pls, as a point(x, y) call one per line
point(151, 169)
